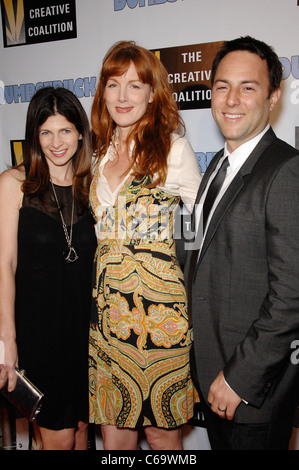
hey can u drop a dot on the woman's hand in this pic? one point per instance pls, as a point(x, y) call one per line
point(8, 364)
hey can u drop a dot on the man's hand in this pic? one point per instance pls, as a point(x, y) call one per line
point(223, 400)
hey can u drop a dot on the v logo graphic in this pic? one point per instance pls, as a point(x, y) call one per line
point(15, 20)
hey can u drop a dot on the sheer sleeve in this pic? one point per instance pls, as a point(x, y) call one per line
point(183, 176)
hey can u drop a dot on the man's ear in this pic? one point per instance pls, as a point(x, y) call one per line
point(274, 98)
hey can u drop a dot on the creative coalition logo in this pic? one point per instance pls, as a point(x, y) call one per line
point(37, 21)
point(189, 73)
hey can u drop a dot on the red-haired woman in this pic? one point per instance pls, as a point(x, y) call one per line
point(139, 338)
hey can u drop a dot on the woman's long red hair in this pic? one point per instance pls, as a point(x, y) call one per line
point(152, 133)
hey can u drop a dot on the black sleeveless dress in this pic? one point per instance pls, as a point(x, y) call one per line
point(53, 308)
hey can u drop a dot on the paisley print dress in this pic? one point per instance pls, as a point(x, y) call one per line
point(139, 370)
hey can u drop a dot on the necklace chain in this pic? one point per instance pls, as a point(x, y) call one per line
point(70, 255)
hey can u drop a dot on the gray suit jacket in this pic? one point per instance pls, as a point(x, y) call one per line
point(245, 294)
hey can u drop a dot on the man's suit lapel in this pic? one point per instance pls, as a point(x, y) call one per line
point(221, 210)
point(234, 188)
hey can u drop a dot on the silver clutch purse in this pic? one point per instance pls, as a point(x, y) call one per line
point(25, 397)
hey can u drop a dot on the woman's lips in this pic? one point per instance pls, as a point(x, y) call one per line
point(123, 110)
point(60, 153)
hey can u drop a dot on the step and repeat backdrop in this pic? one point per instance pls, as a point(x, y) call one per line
point(62, 43)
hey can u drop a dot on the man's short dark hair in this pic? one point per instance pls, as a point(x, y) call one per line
point(254, 46)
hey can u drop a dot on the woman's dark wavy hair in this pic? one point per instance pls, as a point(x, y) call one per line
point(249, 44)
point(152, 133)
point(47, 102)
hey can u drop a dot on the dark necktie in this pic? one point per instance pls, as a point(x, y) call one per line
point(210, 198)
point(213, 190)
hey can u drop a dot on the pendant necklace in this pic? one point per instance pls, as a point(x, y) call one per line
point(69, 254)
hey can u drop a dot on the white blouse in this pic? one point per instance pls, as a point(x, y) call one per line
point(183, 175)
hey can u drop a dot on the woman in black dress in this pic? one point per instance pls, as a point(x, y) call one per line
point(47, 243)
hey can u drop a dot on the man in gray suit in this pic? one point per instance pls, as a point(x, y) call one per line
point(243, 282)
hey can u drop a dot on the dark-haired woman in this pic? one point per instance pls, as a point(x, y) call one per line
point(47, 244)
point(140, 338)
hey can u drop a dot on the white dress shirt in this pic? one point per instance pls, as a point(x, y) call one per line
point(183, 175)
point(236, 159)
